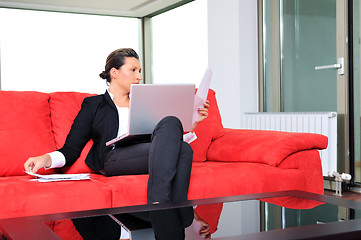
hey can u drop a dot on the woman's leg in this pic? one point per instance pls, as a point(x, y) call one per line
point(170, 163)
point(127, 160)
point(181, 181)
point(169, 160)
point(182, 177)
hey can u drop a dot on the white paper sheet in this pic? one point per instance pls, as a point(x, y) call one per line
point(189, 137)
point(59, 177)
point(201, 96)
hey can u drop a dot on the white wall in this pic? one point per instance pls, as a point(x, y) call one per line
point(239, 218)
point(233, 57)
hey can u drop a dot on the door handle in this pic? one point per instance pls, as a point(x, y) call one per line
point(339, 66)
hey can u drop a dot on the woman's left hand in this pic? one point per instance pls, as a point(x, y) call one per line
point(203, 112)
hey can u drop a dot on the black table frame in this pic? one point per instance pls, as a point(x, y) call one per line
point(33, 227)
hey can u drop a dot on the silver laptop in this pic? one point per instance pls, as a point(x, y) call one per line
point(149, 103)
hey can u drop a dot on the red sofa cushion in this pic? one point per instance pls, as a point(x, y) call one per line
point(64, 108)
point(208, 130)
point(127, 190)
point(25, 130)
point(254, 178)
point(305, 161)
point(250, 178)
point(23, 197)
point(259, 146)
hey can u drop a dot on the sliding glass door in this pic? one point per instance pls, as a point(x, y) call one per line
point(305, 69)
point(305, 61)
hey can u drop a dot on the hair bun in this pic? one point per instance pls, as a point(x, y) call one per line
point(103, 75)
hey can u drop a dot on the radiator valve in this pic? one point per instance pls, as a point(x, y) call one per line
point(339, 178)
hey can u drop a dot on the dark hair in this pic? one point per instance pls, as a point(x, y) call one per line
point(116, 59)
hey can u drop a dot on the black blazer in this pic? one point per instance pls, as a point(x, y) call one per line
point(97, 120)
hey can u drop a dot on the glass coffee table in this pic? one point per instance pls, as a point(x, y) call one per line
point(241, 217)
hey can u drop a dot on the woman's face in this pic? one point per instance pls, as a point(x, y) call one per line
point(129, 73)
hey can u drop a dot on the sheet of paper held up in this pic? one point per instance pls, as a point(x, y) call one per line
point(59, 177)
point(201, 96)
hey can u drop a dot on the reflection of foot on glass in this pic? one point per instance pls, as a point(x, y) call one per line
point(209, 214)
point(201, 229)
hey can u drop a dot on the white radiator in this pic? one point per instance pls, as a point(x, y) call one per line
point(324, 123)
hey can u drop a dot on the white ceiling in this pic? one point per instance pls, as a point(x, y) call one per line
point(129, 8)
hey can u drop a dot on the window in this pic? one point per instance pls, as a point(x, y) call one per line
point(49, 51)
point(180, 45)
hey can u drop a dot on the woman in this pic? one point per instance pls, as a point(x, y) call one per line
point(166, 157)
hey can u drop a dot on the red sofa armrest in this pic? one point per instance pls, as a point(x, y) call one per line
point(309, 163)
point(260, 146)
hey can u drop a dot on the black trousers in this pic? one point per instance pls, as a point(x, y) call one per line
point(168, 161)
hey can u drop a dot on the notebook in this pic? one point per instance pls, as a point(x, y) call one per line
point(149, 103)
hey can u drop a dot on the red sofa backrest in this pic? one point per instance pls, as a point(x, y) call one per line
point(34, 123)
point(208, 130)
point(25, 130)
point(64, 107)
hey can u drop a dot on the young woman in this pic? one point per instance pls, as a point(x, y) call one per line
point(166, 157)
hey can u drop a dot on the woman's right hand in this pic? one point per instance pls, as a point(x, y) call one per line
point(33, 164)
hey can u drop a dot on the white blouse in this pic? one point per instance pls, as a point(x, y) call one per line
point(123, 113)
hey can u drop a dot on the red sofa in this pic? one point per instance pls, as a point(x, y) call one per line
point(226, 161)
